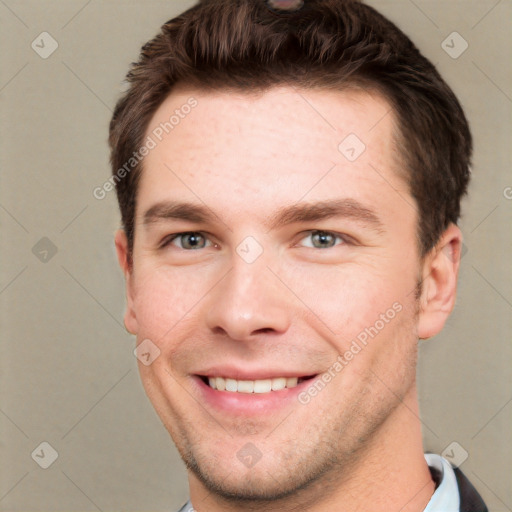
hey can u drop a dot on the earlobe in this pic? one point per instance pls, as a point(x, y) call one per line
point(439, 283)
point(121, 242)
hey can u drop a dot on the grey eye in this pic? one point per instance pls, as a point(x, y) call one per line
point(191, 240)
point(323, 239)
point(319, 239)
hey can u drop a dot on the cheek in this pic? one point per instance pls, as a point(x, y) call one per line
point(349, 298)
point(164, 298)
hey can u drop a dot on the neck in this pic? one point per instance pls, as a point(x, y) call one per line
point(391, 474)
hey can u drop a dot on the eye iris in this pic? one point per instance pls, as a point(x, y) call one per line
point(192, 241)
point(322, 239)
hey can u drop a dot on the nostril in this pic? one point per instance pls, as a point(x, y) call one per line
point(264, 330)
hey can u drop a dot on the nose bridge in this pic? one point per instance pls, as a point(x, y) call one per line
point(246, 302)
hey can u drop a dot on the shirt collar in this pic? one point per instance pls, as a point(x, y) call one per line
point(446, 496)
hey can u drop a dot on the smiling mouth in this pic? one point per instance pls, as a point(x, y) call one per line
point(253, 386)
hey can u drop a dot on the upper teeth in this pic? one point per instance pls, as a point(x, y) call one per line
point(252, 386)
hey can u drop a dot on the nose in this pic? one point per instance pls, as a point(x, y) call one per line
point(249, 301)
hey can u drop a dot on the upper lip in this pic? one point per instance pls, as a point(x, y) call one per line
point(237, 373)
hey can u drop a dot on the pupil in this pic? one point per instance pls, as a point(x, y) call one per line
point(192, 240)
point(323, 239)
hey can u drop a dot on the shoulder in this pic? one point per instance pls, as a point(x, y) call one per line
point(470, 500)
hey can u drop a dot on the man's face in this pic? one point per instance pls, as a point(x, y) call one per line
point(297, 250)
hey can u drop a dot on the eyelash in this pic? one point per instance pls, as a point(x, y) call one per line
point(345, 239)
point(169, 239)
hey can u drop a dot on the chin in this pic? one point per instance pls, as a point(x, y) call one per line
point(269, 480)
point(248, 485)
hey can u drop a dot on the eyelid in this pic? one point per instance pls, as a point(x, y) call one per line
point(168, 239)
point(346, 239)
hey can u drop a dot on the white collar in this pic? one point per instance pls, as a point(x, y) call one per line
point(446, 496)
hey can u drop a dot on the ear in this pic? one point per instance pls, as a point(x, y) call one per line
point(439, 282)
point(123, 256)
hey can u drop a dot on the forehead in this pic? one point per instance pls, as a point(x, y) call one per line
point(280, 145)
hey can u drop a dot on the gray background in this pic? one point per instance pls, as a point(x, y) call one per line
point(69, 376)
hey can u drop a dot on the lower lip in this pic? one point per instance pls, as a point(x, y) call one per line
point(249, 403)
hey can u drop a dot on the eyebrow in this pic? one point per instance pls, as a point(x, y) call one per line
point(300, 212)
point(170, 210)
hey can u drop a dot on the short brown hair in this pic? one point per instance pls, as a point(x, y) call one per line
point(247, 45)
